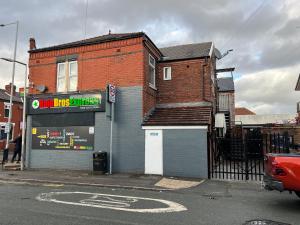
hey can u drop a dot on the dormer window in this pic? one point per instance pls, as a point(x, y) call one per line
point(152, 71)
point(67, 76)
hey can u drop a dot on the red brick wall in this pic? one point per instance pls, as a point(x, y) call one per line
point(187, 80)
point(149, 94)
point(16, 119)
point(118, 62)
point(124, 64)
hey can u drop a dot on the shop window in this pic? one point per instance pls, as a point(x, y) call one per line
point(67, 76)
point(167, 73)
point(152, 71)
point(6, 109)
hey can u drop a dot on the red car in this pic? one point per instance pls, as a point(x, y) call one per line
point(282, 172)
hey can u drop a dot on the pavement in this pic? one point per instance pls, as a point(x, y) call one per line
point(84, 178)
point(210, 203)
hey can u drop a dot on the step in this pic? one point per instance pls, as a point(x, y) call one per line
point(12, 166)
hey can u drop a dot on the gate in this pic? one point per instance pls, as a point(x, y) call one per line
point(240, 155)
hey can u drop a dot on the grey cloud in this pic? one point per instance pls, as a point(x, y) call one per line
point(261, 32)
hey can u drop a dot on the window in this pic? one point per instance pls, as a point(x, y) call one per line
point(6, 109)
point(152, 71)
point(67, 76)
point(167, 73)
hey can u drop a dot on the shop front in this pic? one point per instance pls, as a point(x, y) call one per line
point(61, 130)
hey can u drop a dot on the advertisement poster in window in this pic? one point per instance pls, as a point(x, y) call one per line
point(79, 138)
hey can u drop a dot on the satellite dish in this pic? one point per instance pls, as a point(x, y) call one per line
point(41, 88)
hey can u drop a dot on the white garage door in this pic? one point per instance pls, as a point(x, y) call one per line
point(154, 152)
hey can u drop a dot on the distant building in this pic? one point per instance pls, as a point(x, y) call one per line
point(4, 113)
point(226, 99)
point(243, 111)
point(264, 120)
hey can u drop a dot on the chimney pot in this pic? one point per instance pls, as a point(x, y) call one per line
point(7, 88)
point(32, 44)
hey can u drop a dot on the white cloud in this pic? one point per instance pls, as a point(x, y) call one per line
point(271, 91)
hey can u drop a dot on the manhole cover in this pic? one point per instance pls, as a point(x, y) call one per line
point(264, 222)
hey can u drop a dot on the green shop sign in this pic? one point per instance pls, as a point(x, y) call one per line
point(66, 103)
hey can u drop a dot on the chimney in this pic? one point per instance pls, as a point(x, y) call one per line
point(7, 88)
point(32, 45)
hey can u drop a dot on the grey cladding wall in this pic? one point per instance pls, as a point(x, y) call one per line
point(129, 138)
point(185, 153)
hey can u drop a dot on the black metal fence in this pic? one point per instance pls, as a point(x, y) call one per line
point(279, 143)
point(241, 155)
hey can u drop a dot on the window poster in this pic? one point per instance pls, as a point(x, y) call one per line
point(79, 138)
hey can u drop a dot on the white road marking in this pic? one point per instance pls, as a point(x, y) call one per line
point(115, 202)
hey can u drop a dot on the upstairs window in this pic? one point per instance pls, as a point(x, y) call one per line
point(6, 109)
point(167, 73)
point(152, 71)
point(67, 76)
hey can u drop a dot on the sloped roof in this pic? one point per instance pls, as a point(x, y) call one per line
point(225, 84)
point(6, 96)
point(188, 51)
point(179, 116)
point(243, 111)
point(94, 40)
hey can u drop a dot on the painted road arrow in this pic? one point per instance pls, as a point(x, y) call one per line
point(114, 202)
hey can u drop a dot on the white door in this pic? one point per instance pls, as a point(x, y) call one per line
point(153, 152)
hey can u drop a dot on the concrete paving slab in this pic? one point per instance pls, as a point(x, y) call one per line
point(177, 183)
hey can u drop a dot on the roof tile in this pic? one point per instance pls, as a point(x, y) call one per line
point(180, 116)
point(186, 51)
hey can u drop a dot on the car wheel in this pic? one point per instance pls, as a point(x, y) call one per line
point(297, 193)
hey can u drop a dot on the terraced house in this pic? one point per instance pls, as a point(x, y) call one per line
point(17, 108)
point(163, 113)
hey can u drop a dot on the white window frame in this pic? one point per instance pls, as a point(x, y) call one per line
point(6, 106)
point(168, 75)
point(71, 76)
point(153, 67)
point(66, 76)
point(58, 77)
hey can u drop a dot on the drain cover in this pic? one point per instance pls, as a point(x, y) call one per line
point(264, 222)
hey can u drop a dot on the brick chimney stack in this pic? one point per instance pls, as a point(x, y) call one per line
point(32, 44)
point(7, 88)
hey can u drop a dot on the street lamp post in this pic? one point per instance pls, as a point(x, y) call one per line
point(12, 79)
point(24, 109)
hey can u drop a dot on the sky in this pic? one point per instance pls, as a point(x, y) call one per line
point(264, 36)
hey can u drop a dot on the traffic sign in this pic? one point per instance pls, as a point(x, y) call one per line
point(7, 128)
point(111, 89)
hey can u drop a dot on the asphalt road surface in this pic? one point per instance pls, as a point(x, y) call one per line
point(211, 203)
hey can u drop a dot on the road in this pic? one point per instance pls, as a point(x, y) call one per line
point(212, 203)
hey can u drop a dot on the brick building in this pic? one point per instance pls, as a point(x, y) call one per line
point(165, 102)
point(4, 113)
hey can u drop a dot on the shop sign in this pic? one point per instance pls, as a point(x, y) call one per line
point(67, 103)
point(80, 138)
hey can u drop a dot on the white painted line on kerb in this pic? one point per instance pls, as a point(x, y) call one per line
point(111, 202)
